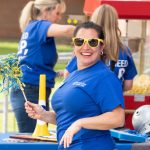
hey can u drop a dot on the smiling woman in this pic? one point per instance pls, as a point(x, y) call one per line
point(115, 51)
point(88, 45)
point(82, 113)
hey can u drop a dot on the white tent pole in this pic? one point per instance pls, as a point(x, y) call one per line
point(5, 107)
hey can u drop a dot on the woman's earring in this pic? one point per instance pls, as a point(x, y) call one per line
point(101, 53)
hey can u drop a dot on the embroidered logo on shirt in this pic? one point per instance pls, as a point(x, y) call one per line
point(82, 84)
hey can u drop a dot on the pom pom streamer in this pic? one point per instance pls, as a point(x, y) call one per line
point(10, 70)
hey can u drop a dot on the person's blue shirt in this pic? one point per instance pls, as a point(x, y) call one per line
point(87, 93)
point(37, 53)
point(124, 68)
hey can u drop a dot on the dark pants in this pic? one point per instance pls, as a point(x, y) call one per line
point(25, 123)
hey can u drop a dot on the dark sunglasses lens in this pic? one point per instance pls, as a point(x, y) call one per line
point(93, 42)
point(78, 42)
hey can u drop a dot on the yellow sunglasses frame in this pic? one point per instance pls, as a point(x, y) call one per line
point(87, 41)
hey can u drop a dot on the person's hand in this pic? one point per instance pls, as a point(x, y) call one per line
point(66, 139)
point(60, 73)
point(34, 111)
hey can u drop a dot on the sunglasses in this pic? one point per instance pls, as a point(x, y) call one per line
point(91, 42)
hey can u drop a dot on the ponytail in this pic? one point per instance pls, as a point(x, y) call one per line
point(26, 15)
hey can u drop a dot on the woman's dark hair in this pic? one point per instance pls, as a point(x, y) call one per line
point(90, 25)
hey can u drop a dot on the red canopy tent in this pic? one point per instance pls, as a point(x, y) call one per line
point(127, 9)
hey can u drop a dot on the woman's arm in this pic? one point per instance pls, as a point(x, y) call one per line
point(36, 111)
point(127, 85)
point(49, 117)
point(56, 30)
point(106, 121)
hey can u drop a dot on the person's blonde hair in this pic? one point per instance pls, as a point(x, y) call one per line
point(33, 9)
point(107, 17)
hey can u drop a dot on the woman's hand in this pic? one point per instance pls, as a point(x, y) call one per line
point(66, 140)
point(34, 111)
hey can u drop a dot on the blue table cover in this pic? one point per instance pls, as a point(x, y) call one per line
point(4, 145)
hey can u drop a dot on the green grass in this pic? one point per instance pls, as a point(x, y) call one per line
point(64, 48)
point(12, 47)
point(12, 125)
point(60, 66)
point(8, 47)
